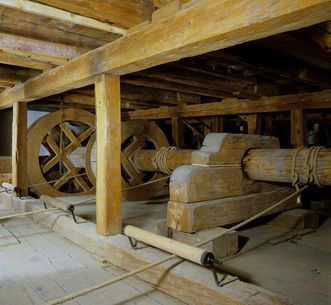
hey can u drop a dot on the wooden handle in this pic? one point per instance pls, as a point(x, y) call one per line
point(188, 252)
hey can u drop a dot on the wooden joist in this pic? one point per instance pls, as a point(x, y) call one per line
point(55, 13)
point(54, 53)
point(200, 28)
point(316, 100)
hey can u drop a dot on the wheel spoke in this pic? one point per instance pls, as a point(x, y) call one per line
point(69, 133)
point(131, 170)
point(139, 142)
point(50, 164)
point(82, 183)
point(64, 179)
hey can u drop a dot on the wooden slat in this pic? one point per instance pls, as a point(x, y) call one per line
point(177, 134)
point(108, 190)
point(54, 13)
point(205, 26)
point(19, 147)
point(317, 100)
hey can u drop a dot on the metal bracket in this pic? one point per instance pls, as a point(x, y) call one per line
point(223, 282)
point(133, 244)
point(45, 205)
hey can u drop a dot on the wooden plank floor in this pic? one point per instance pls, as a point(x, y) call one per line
point(38, 265)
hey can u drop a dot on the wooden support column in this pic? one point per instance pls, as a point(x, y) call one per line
point(19, 147)
point(177, 132)
point(253, 124)
point(217, 124)
point(297, 128)
point(108, 186)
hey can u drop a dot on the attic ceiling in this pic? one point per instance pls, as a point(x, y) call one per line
point(293, 62)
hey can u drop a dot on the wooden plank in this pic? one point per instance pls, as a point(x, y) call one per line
point(5, 164)
point(19, 147)
point(54, 53)
point(108, 189)
point(205, 26)
point(198, 216)
point(316, 100)
point(297, 128)
point(55, 13)
point(12, 75)
point(125, 14)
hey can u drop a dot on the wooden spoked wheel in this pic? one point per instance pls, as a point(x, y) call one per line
point(51, 141)
point(135, 135)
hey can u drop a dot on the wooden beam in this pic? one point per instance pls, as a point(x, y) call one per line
point(297, 128)
point(54, 53)
point(231, 106)
point(24, 61)
point(125, 14)
point(14, 75)
point(19, 148)
point(204, 26)
point(55, 13)
point(108, 190)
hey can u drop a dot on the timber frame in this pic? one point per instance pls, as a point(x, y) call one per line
point(178, 30)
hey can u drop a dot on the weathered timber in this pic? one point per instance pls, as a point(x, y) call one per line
point(192, 183)
point(276, 165)
point(223, 246)
point(297, 128)
point(19, 148)
point(5, 164)
point(108, 185)
point(228, 24)
point(143, 159)
point(316, 100)
point(198, 216)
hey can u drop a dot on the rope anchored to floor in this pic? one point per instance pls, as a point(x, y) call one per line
point(170, 257)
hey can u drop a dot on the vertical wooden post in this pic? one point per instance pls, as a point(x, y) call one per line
point(108, 185)
point(297, 128)
point(19, 147)
point(177, 132)
point(253, 124)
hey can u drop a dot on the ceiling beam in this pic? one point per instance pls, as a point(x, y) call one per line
point(231, 106)
point(203, 27)
point(48, 52)
point(123, 13)
point(62, 15)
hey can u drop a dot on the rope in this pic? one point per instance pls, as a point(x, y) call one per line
point(27, 213)
point(309, 166)
point(160, 159)
point(168, 258)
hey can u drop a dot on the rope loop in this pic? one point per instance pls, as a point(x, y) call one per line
point(160, 159)
point(309, 166)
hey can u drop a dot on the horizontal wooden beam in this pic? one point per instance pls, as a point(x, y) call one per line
point(55, 13)
point(317, 100)
point(13, 75)
point(202, 27)
point(55, 53)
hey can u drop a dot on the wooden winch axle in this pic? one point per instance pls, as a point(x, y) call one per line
point(275, 165)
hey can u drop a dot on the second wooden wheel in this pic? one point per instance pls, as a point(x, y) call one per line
point(135, 135)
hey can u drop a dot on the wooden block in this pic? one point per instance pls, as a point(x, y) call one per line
point(209, 214)
point(223, 246)
point(296, 219)
point(192, 183)
point(225, 148)
point(138, 27)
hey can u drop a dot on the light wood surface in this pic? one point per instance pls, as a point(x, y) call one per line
point(209, 214)
point(108, 184)
point(19, 148)
point(229, 23)
point(276, 165)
